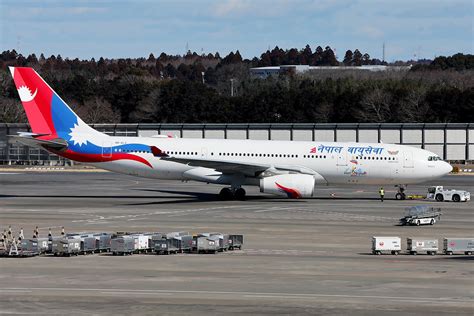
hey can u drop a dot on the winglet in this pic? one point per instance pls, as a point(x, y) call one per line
point(157, 152)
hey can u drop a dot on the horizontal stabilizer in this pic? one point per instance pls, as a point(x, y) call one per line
point(38, 140)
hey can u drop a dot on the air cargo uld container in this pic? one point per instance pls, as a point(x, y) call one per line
point(185, 243)
point(166, 246)
point(88, 245)
point(207, 244)
point(223, 241)
point(124, 245)
point(153, 238)
point(456, 245)
point(103, 241)
point(30, 245)
point(141, 243)
point(42, 244)
point(236, 241)
point(417, 245)
point(386, 244)
point(66, 246)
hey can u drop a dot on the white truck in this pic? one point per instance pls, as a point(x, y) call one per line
point(386, 244)
point(438, 193)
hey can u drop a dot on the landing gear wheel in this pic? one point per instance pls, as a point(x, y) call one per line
point(226, 194)
point(400, 196)
point(240, 194)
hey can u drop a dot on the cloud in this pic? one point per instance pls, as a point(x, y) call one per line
point(228, 7)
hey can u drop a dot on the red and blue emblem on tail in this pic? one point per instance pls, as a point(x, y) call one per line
point(51, 119)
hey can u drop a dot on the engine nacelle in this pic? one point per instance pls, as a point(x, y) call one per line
point(293, 186)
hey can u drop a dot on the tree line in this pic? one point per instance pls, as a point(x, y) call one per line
point(196, 88)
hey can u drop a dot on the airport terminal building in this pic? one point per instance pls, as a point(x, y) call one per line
point(451, 141)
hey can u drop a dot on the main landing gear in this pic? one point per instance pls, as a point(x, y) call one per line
point(401, 192)
point(231, 194)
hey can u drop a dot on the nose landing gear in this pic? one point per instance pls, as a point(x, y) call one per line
point(401, 192)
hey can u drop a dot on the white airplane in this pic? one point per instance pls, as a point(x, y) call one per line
point(287, 168)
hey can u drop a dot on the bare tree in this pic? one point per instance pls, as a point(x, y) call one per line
point(375, 106)
point(11, 111)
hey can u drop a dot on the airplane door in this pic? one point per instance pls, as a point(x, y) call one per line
point(203, 152)
point(408, 159)
point(106, 149)
point(342, 159)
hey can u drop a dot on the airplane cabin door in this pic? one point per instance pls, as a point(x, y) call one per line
point(203, 152)
point(106, 149)
point(342, 159)
point(408, 159)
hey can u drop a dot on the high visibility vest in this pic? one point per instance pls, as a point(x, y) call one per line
point(382, 192)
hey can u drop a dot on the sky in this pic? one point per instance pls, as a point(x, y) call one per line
point(410, 29)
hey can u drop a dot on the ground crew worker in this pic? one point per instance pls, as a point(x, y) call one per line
point(36, 232)
point(382, 193)
point(62, 231)
point(9, 231)
point(20, 235)
point(49, 233)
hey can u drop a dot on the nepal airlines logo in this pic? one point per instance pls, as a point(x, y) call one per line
point(79, 133)
point(313, 150)
point(25, 94)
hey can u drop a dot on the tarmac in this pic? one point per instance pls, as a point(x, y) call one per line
point(300, 257)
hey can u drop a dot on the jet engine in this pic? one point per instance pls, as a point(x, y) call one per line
point(293, 186)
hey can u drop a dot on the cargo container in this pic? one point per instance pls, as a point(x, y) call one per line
point(102, 243)
point(236, 241)
point(141, 243)
point(456, 245)
point(417, 245)
point(124, 245)
point(176, 234)
point(152, 239)
point(166, 246)
point(185, 243)
point(386, 244)
point(207, 244)
point(30, 245)
point(223, 241)
point(43, 244)
point(66, 246)
point(88, 245)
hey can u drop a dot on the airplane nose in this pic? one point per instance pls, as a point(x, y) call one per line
point(447, 168)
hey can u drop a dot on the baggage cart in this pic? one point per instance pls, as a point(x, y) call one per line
point(124, 245)
point(103, 242)
point(417, 245)
point(141, 243)
point(29, 245)
point(88, 245)
point(43, 245)
point(386, 244)
point(66, 246)
point(152, 239)
point(207, 244)
point(166, 246)
point(223, 241)
point(236, 242)
point(185, 243)
point(457, 245)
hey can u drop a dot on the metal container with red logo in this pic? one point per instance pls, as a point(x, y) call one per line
point(457, 245)
point(391, 245)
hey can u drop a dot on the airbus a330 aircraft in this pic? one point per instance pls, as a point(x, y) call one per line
point(288, 168)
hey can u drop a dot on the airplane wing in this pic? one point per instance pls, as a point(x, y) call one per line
point(33, 140)
point(247, 168)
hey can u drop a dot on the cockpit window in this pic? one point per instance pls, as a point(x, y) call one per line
point(434, 158)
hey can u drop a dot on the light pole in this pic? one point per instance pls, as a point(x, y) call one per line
point(232, 87)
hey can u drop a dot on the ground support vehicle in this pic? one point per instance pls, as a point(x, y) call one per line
point(438, 193)
point(236, 242)
point(421, 215)
point(123, 245)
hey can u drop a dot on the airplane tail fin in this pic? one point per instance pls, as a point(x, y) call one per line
point(47, 113)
